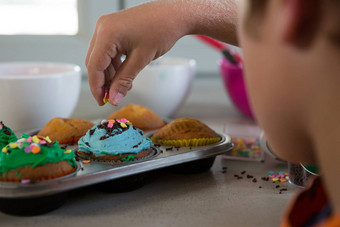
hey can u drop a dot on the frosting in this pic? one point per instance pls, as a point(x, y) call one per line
point(114, 137)
point(33, 151)
point(6, 135)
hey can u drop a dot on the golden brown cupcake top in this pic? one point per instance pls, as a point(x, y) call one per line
point(140, 116)
point(66, 130)
point(184, 129)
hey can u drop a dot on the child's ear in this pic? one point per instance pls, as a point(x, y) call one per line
point(300, 21)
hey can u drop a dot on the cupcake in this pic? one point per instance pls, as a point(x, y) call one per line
point(65, 130)
point(140, 116)
point(114, 140)
point(35, 158)
point(184, 132)
point(6, 135)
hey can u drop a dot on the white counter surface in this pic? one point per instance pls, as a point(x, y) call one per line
point(212, 198)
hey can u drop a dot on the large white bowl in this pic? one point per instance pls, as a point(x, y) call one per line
point(164, 85)
point(32, 93)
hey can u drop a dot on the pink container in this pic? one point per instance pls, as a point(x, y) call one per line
point(232, 76)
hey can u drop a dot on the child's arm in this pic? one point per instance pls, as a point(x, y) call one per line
point(146, 32)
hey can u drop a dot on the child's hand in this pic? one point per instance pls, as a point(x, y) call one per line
point(142, 33)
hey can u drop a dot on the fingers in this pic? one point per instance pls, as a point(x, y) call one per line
point(89, 51)
point(99, 69)
point(122, 81)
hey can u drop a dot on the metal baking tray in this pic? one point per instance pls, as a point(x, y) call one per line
point(98, 172)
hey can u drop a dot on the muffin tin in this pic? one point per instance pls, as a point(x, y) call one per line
point(41, 197)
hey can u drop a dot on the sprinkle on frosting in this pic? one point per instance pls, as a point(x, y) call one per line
point(6, 135)
point(33, 151)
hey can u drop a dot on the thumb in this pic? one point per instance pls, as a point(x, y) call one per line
point(126, 73)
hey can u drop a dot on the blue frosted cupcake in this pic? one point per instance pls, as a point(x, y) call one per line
point(114, 140)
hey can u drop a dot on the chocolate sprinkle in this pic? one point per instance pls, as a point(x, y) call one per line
point(169, 149)
point(265, 178)
point(249, 176)
point(243, 172)
point(137, 145)
point(254, 180)
point(92, 131)
point(7, 132)
point(116, 129)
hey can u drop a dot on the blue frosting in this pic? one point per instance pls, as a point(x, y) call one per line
point(102, 140)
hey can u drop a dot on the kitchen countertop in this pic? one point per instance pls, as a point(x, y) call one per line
point(213, 198)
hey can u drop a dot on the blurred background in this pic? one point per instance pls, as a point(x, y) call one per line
point(49, 30)
point(60, 31)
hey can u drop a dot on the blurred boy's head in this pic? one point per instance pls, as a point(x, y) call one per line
point(292, 56)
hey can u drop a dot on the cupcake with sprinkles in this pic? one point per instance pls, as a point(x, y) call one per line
point(6, 135)
point(34, 158)
point(115, 140)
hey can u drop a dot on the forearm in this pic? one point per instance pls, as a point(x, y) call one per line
point(215, 18)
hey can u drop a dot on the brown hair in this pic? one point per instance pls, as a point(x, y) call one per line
point(330, 10)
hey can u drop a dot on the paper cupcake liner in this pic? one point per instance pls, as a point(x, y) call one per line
point(188, 143)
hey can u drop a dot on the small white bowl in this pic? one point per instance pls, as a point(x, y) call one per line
point(163, 85)
point(32, 93)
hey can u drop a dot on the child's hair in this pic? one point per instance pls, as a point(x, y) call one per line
point(330, 8)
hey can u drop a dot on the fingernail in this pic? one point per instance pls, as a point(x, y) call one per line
point(118, 99)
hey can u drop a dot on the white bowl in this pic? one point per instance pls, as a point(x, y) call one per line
point(163, 85)
point(32, 93)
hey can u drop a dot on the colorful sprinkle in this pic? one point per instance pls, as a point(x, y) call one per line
point(13, 145)
point(86, 161)
point(35, 139)
point(67, 151)
point(123, 120)
point(48, 139)
point(110, 125)
point(28, 149)
point(25, 181)
point(246, 148)
point(278, 177)
point(129, 158)
point(4, 150)
point(123, 125)
point(35, 149)
point(29, 139)
point(1, 126)
point(106, 95)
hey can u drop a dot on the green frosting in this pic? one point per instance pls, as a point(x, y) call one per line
point(22, 153)
point(6, 135)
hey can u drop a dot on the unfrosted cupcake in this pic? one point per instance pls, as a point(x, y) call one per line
point(184, 132)
point(35, 158)
point(6, 135)
point(114, 140)
point(66, 130)
point(140, 116)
